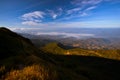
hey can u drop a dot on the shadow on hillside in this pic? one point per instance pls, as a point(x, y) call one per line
point(94, 68)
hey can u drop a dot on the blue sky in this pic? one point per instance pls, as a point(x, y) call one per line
point(51, 14)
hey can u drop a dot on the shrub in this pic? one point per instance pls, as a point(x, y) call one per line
point(2, 69)
point(34, 72)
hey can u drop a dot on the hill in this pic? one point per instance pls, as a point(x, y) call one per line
point(59, 49)
point(19, 54)
point(14, 46)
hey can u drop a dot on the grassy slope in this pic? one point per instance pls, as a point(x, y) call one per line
point(56, 49)
point(19, 56)
point(17, 52)
point(88, 64)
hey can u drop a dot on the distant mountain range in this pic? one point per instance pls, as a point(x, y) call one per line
point(21, 60)
point(84, 43)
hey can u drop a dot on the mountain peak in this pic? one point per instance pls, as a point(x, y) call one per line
point(3, 29)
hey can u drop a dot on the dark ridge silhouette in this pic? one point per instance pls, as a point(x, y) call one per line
point(12, 44)
point(5, 31)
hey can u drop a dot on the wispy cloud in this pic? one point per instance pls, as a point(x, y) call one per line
point(83, 7)
point(35, 18)
point(55, 13)
point(85, 11)
point(33, 15)
point(80, 24)
point(85, 2)
point(30, 23)
point(60, 11)
point(78, 12)
point(24, 29)
point(77, 35)
point(82, 14)
point(90, 8)
point(32, 18)
point(89, 2)
point(74, 10)
point(52, 14)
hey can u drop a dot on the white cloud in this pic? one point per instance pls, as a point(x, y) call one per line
point(52, 14)
point(82, 24)
point(91, 2)
point(85, 11)
point(88, 2)
point(60, 11)
point(30, 23)
point(85, 2)
point(83, 14)
point(85, 6)
point(33, 18)
point(53, 24)
point(23, 29)
point(90, 8)
point(33, 15)
point(55, 13)
point(74, 10)
point(77, 35)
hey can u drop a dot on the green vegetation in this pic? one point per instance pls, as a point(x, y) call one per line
point(54, 48)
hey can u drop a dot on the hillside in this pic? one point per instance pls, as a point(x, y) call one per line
point(19, 53)
point(14, 46)
point(59, 49)
point(21, 60)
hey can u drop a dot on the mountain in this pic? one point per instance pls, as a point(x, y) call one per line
point(84, 43)
point(20, 59)
point(18, 54)
point(15, 46)
point(12, 44)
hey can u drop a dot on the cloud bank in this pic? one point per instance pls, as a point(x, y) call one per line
point(38, 31)
point(76, 35)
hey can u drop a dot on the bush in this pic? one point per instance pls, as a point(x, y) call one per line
point(34, 72)
point(2, 69)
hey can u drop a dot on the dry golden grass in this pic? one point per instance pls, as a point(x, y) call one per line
point(2, 69)
point(34, 72)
